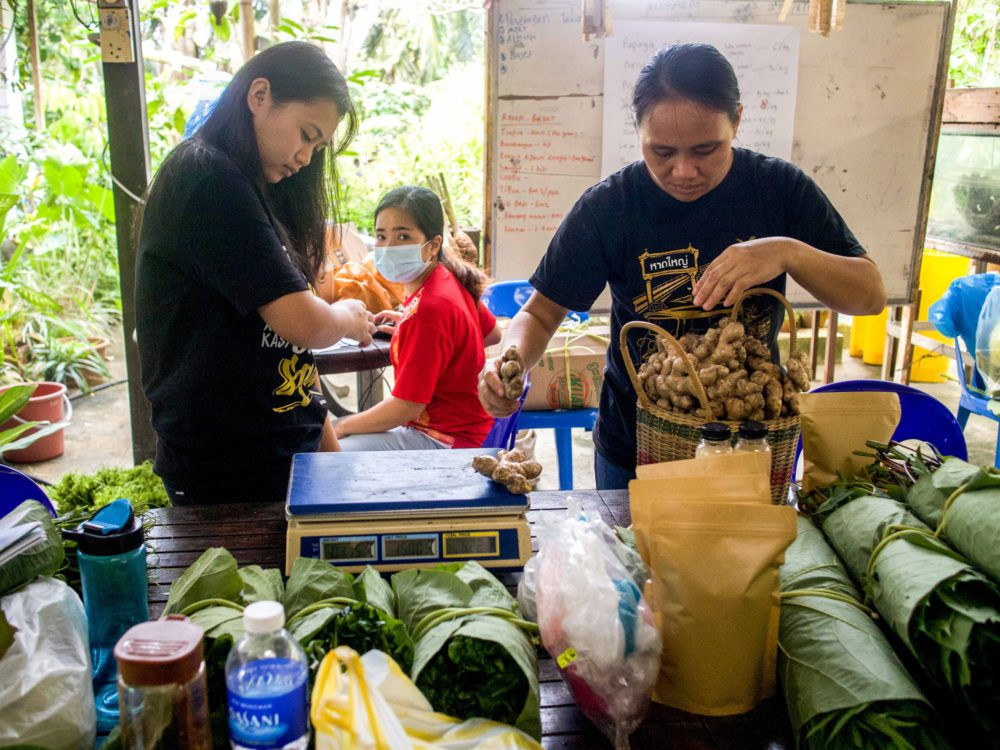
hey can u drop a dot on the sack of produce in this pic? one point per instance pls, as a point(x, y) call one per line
point(844, 686)
point(474, 656)
point(368, 703)
point(945, 612)
point(46, 698)
point(714, 554)
point(586, 588)
point(725, 376)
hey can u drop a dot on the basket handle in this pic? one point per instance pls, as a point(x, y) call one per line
point(634, 377)
point(792, 346)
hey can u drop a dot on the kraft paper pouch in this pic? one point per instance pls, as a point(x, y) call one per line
point(834, 425)
point(713, 465)
point(715, 594)
point(736, 478)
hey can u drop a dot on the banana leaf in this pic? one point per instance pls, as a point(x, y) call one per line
point(944, 611)
point(43, 555)
point(473, 655)
point(972, 525)
point(844, 686)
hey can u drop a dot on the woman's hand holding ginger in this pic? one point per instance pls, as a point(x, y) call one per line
point(493, 390)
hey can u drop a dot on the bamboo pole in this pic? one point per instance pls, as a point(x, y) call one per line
point(36, 67)
point(249, 32)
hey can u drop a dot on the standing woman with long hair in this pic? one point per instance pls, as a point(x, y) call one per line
point(437, 340)
point(231, 241)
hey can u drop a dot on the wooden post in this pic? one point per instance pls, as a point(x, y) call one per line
point(36, 66)
point(814, 343)
point(910, 313)
point(128, 145)
point(891, 346)
point(831, 347)
point(249, 32)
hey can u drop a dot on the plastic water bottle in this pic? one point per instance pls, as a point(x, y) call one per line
point(111, 553)
point(266, 684)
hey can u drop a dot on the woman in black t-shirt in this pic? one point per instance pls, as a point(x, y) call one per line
point(231, 240)
point(688, 228)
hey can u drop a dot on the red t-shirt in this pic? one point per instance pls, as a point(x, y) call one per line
point(437, 354)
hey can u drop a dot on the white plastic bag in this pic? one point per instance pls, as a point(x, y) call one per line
point(46, 698)
point(584, 587)
point(368, 703)
point(988, 343)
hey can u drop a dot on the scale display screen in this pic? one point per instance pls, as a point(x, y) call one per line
point(409, 546)
point(472, 543)
point(349, 549)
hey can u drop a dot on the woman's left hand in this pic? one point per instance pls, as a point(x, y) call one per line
point(387, 320)
point(740, 267)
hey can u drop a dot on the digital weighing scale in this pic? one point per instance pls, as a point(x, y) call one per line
point(402, 509)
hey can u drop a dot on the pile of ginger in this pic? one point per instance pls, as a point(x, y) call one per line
point(740, 380)
point(513, 469)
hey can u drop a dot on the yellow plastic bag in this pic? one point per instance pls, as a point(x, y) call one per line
point(368, 703)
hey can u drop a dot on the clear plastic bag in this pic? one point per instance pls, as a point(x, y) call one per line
point(46, 699)
point(988, 343)
point(584, 588)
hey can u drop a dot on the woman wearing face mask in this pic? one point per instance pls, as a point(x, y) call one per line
point(437, 341)
point(679, 235)
point(231, 240)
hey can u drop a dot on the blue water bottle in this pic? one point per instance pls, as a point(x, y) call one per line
point(266, 684)
point(111, 554)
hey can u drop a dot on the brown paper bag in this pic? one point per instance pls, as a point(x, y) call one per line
point(834, 425)
point(715, 593)
point(714, 543)
point(713, 464)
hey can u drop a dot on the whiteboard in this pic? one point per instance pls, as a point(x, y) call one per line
point(866, 105)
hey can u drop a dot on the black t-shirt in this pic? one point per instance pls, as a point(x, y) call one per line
point(231, 400)
point(650, 248)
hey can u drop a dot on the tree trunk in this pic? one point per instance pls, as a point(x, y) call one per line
point(36, 66)
point(274, 18)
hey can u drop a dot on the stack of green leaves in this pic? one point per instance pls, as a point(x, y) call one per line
point(962, 502)
point(42, 557)
point(89, 492)
point(474, 655)
point(843, 684)
point(945, 612)
point(324, 608)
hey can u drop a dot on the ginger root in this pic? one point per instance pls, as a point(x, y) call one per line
point(511, 374)
point(512, 468)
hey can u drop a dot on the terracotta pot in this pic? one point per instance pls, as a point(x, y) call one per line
point(49, 404)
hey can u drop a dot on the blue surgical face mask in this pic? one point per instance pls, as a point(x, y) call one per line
point(401, 263)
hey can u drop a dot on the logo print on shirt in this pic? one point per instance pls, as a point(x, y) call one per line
point(295, 382)
point(669, 278)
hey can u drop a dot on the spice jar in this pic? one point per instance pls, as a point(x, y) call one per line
point(162, 691)
point(715, 438)
point(752, 438)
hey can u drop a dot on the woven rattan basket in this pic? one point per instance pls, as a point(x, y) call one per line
point(663, 435)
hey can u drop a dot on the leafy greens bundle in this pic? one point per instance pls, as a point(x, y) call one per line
point(945, 612)
point(844, 686)
point(324, 607)
point(474, 655)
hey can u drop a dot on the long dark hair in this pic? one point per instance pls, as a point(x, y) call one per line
point(698, 72)
point(424, 207)
point(302, 203)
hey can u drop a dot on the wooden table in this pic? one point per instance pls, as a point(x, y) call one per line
point(256, 534)
point(366, 361)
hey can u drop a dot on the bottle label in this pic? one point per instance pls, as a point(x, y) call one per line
point(267, 703)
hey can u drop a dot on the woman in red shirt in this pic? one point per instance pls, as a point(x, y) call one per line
point(437, 340)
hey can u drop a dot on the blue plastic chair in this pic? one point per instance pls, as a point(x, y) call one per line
point(503, 433)
point(504, 299)
point(922, 417)
point(15, 488)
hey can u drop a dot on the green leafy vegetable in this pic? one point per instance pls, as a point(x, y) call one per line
point(844, 686)
point(473, 655)
point(945, 612)
point(88, 492)
point(42, 558)
point(312, 581)
point(261, 584)
point(212, 576)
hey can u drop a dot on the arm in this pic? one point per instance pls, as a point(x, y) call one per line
point(305, 320)
point(392, 412)
point(530, 331)
point(493, 337)
point(850, 285)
